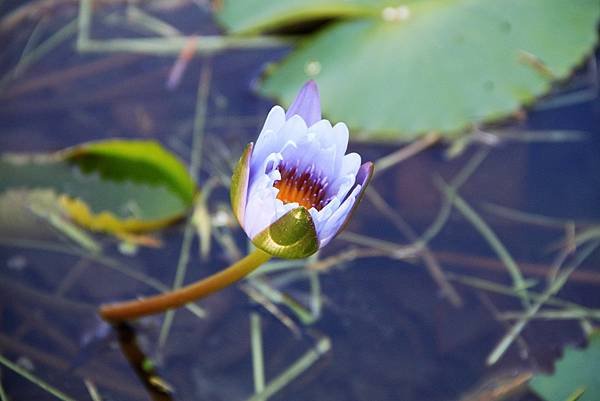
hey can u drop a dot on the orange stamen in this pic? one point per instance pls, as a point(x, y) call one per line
point(305, 188)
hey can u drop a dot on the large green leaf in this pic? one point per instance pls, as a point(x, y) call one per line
point(115, 186)
point(577, 370)
point(251, 16)
point(439, 65)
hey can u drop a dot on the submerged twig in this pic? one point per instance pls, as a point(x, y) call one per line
point(37, 322)
point(102, 260)
point(496, 288)
point(316, 298)
point(589, 234)
point(173, 45)
point(104, 376)
point(306, 361)
point(195, 163)
point(35, 380)
point(274, 296)
point(65, 227)
point(145, 20)
point(180, 271)
point(258, 365)
point(66, 75)
point(40, 51)
point(565, 314)
point(279, 265)
point(405, 152)
point(323, 265)
point(29, 296)
point(92, 390)
point(476, 262)
point(202, 219)
point(552, 289)
point(491, 238)
point(391, 249)
point(457, 181)
point(434, 268)
point(3, 396)
point(271, 307)
point(487, 302)
point(198, 133)
point(33, 37)
point(525, 217)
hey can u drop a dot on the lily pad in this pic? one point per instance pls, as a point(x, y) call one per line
point(577, 371)
point(430, 65)
point(117, 186)
point(251, 16)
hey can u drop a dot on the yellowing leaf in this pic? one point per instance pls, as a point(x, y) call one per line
point(115, 186)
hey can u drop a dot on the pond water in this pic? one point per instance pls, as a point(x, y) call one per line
point(395, 332)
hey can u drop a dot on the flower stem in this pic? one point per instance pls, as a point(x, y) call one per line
point(159, 303)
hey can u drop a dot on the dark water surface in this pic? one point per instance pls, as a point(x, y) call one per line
point(394, 335)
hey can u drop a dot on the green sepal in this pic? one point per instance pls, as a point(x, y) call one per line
point(293, 236)
point(238, 191)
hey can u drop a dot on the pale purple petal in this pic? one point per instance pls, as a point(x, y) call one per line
point(333, 225)
point(274, 141)
point(270, 139)
point(307, 104)
point(307, 153)
point(275, 119)
point(364, 174)
point(263, 208)
point(341, 134)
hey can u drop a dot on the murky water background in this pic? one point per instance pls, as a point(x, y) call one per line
point(393, 335)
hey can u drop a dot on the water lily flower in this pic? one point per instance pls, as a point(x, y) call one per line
point(295, 189)
point(292, 193)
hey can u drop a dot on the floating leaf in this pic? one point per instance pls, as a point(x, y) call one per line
point(117, 186)
point(251, 16)
point(576, 371)
point(430, 65)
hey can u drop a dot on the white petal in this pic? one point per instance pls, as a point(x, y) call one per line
point(260, 207)
point(350, 164)
point(309, 153)
point(328, 136)
point(275, 120)
point(274, 141)
point(323, 131)
point(265, 145)
point(320, 217)
point(267, 165)
point(294, 129)
point(269, 141)
point(341, 137)
point(346, 177)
